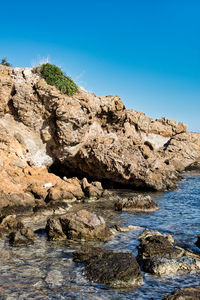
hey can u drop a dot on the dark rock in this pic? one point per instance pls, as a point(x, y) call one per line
point(189, 293)
point(54, 230)
point(110, 268)
point(82, 225)
point(136, 203)
point(158, 255)
point(22, 237)
point(195, 166)
point(197, 243)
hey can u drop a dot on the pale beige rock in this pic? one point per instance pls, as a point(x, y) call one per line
point(90, 136)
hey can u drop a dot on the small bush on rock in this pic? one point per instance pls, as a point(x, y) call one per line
point(54, 76)
point(4, 62)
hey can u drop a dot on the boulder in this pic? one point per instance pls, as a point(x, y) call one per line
point(136, 203)
point(93, 190)
point(22, 237)
point(188, 293)
point(82, 225)
point(158, 255)
point(110, 268)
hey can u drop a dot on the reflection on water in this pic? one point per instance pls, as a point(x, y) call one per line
point(46, 270)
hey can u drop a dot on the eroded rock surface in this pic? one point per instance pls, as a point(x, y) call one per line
point(158, 255)
point(22, 237)
point(188, 293)
point(82, 225)
point(136, 203)
point(83, 135)
point(110, 268)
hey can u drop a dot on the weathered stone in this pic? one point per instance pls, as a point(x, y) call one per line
point(54, 230)
point(93, 191)
point(10, 223)
point(22, 237)
point(82, 225)
point(88, 135)
point(188, 293)
point(157, 255)
point(136, 203)
point(110, 268)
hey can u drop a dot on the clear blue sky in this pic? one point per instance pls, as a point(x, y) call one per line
point(146, 51)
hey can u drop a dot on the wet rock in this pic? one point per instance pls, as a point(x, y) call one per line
point(54, 230)
point(82, 225)
point(188, 293)
point(197, 243)
point(110, 268)
point(54, 278)
point(22, 237)
point(136, 203)
point(117, 228)
point(158, 255)
point(10, 223)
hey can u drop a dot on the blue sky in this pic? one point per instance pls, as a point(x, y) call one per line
point(147, 52)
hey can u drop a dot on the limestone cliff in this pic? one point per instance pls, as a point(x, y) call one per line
point(84, 135)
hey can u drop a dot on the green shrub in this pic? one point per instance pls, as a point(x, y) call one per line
point(54, 76)
point(4, 62)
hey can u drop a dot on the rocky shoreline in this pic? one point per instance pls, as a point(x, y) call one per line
point(58, 151)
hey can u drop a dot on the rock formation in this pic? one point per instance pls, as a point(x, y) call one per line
point(188, 293)
point(82, 225)
point(110, 268)
point(157, 255)
point(136, 203)
point(86, 136)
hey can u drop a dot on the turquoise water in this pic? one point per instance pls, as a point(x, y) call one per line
point(46, 270)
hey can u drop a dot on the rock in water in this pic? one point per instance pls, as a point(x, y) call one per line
point(22, 237)
point(136, 203)
point(82, 225)
point(197, 243)
point(158, 255)
point(189, 293)
point(110, 268)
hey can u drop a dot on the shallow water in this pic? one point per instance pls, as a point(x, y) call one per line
point(46, 270)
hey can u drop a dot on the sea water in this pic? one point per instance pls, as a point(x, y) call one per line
point(46, 270)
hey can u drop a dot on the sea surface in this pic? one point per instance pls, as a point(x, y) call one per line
point(46, 270)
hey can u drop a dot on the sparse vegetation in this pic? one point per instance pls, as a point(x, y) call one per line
point(4, 62)
point(54, 76)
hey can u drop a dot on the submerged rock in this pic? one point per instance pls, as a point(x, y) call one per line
point(188, 293)
point(82, 225)
point(110, 268)
point(22, 237)
point(158, 255)
point(136, 203)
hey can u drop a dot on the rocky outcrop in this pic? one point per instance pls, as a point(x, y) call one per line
point(83, 135)
point(136, 203)
point(82, 225)
point(157, 255)
point(110, 268)
point(188, 293)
